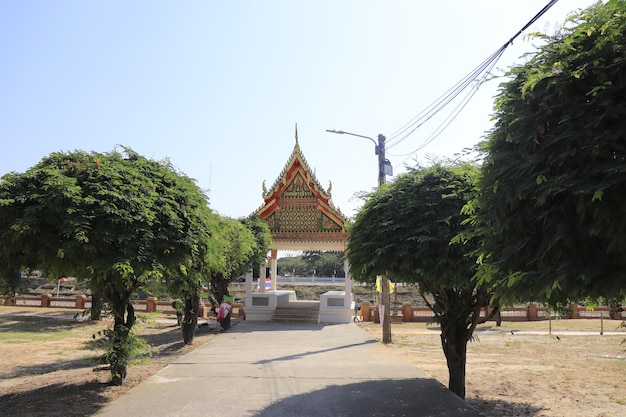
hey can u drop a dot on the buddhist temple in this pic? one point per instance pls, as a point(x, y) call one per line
point(301, 216)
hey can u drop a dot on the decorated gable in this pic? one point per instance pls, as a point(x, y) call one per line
point(297, 188)
point(298, 209)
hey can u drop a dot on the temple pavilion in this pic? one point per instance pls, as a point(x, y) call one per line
point(301, 216)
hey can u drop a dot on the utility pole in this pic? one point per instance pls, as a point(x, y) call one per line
point(385, 301)
point(380, 151)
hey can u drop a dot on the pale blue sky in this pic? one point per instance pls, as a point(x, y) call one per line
point(218, 86)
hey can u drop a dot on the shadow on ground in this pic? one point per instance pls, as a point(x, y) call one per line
point(27, 323)
point(405, 397)
point(45, 368)
point(501, 408)
point(88, 398)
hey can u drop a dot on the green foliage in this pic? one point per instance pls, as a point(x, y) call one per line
point(410, 230)
point(406, 229)
point(552, 184)
point(115, 220)
point(178, 306)
point(83, 214)
point(413, 229)
point(121, 347)
point(321, 264)
point(294, 265)
point(11, 284)
point(262, 237)
point(329, 264)
point(232, 249)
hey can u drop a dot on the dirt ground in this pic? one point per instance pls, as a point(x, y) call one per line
point(519, 369)
point(48, 369)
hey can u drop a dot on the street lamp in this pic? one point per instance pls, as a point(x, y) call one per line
point(384, 168)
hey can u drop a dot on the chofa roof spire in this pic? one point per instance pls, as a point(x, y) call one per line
point(297, 146)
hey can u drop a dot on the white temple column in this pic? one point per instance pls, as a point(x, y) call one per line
point(262, 276)
point(346, 269)
point(274, 267)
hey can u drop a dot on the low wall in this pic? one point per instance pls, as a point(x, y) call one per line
point(82, 302)
point(336, 307)
point(408, 313)
point(368, 312)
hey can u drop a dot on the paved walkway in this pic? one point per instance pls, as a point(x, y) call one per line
point(265, 369)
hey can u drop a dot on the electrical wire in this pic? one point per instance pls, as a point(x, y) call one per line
point(447, 98)
point(477, 77)
point(457, 110)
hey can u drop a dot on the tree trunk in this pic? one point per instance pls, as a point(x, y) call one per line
point(219, 288)
point(121, 331)
point(190, 318)
point(95, 312)
point(120, 349)
point(454, 344)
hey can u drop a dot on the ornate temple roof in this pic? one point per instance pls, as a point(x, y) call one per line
point(299, 211)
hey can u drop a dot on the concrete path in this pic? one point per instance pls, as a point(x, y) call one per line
point(265, 369)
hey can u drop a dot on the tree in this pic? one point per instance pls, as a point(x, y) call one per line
point(295, 265)
point(410, 229)
point(227, 248)
point(189, 283)
point(233, 247)
point(324, 264)
point(553, 179)
point(263, 238)
point(10, 284)
point(330, 264)
point(117, 220)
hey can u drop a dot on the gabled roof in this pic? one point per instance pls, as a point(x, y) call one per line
point(298, 209)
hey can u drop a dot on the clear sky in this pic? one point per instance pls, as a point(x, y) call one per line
point(218, 86)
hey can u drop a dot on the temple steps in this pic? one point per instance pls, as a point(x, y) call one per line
point(305, 312)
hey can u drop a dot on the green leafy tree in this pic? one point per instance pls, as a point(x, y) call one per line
point(409, 229)
point(325, 264)
point(553, 181)
point(189, 283)
point(117, 220)
point(295, 265)
point(233, 247)
point(330, 264)
point(11, 284)
point(263, 238)
point(312, 258)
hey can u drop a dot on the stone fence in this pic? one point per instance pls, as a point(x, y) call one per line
point(82, 302)
point(368, 311)
point(531, 312)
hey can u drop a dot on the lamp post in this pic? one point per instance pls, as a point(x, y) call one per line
point(379, 149)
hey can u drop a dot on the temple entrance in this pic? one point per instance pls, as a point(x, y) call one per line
point(301, 216)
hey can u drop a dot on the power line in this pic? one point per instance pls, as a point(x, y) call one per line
point(477, 77)
point(450, 118)
point(446, 99)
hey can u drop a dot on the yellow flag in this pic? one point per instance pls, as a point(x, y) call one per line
point(392, 286)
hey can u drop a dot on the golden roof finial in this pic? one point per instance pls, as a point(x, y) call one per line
point(297, 147)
